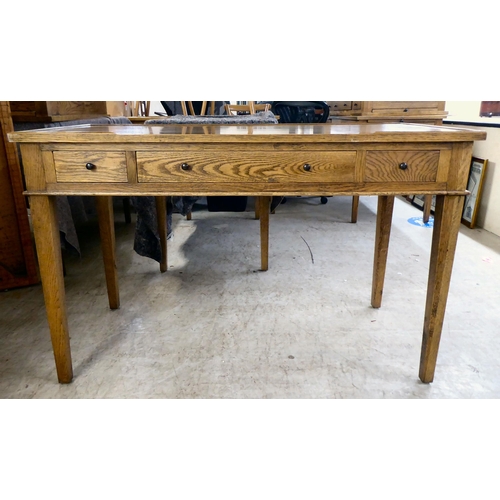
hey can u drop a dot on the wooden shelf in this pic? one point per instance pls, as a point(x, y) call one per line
point(17, 256)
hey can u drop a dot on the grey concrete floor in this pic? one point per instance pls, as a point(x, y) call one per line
point(214, 326)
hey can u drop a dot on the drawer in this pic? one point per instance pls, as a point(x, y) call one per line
point(340, 105)
point(404, 106)
point(235, 166)
point(82, 166)
point(401, 166)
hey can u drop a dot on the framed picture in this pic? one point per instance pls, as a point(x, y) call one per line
point(418, 201)
point(475, 187)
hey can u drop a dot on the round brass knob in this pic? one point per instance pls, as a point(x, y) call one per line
point(307, 167)
point(89, 166)
point(403, 166)
point(185, 166)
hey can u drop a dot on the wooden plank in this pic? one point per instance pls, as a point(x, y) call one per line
point(17, 256)
point(247, 189)
point(52, 111)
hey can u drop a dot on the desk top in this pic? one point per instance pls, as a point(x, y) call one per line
point(282, 133)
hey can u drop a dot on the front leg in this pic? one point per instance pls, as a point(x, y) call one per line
point(48, 247)
point(447, 216)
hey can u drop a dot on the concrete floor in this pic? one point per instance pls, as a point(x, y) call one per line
point(214, 326)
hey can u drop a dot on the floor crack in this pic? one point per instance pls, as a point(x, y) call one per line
point(310, 251)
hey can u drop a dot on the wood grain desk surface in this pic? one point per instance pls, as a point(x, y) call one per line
point(294, 159)
point(306, 133)
point(247, 160)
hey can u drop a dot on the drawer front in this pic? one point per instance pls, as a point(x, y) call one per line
point(340, 105)
point(82, 166)
point(401, 166)
point(285, 167)
point(404, 106)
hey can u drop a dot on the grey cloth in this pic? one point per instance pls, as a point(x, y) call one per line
point(257, 118)
point(147, 237)
point(101, 120)
point(175, 107)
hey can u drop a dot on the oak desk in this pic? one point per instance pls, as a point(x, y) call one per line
point(263, 161)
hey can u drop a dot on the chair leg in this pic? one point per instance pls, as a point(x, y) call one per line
point(427, 208)
point(161, 215)
point(126, 210)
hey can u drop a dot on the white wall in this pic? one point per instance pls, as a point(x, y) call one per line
point(488, 216)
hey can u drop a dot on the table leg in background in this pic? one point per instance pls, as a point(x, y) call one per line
point(382, 236)
point(354, 209)
point(105, 216)
point(264, 207)
point(427, 208)
point(257, 207)
point(447, 215)
point(161, 215)
point(48, 246)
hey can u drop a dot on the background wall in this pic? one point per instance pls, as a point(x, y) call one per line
point(468, 111)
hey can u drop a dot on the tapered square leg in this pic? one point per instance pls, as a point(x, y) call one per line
point(48, 246)
point(354, 209)
point(161, 217)
point(105, 216)
point(264, 206)
point(447, 217)
point(382, 236)
point(427, 208)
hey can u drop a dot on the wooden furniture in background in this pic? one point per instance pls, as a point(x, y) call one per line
point(57, 111)
point(489, 108)
point(425, 112)
point(188, 108)
point(263, 161)
point(17, 255)
point(141, 108)
point(250, 108)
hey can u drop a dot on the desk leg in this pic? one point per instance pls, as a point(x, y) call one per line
point(161, 217)
point(427, 208)
point(382, 236)
point(48, 246)
point(354, 209)
point(264, 206)
point(105, 216)
point(447, 217)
